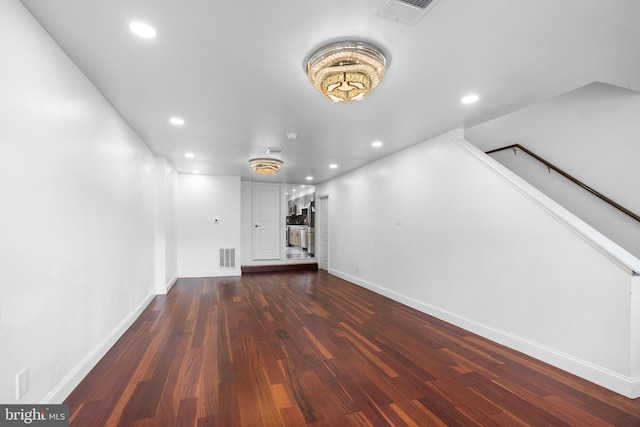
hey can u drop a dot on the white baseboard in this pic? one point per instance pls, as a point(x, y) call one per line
point(73, 378)
point(172, 282)
point(624, 385)
point(216, 273)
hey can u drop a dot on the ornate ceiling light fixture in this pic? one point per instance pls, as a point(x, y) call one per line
point(266, 166)
point(346, 71)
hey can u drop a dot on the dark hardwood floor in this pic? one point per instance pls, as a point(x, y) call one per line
point(306, 348)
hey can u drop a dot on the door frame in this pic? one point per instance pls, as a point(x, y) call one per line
point(320, 221)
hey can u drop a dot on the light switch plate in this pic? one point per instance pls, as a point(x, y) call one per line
point(22, 383)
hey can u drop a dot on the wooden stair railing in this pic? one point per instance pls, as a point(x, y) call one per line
point(550, 166)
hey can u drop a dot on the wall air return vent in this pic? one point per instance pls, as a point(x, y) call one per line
point(406, 11)
point(227, 259)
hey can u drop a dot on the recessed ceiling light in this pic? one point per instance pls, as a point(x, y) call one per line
point(303, 186)
point(294, 190)
point(469, 99)
point(376, 144)
point(309, 178)
point(333, 166)
point(176, 121)
point(143, 30)
point(189, 155)
point(292, 135)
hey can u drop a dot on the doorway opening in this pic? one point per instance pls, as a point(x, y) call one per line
point(300, 220)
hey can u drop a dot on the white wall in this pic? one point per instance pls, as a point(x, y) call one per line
point(166, 227)
point(171, 226)
point(437, 228)
point(246, 221)
point(309, 189)
point(613, 223)
point(77, 217)
point(591, 133)
point(201, 198)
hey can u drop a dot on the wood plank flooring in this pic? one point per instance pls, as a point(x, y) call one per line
point(307, 348)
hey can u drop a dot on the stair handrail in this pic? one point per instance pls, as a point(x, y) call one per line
point(550, 166)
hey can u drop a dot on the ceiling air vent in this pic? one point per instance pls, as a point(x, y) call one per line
point(406, 11)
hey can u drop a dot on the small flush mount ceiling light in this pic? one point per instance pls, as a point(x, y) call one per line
point(292, 135)
point(333, 166)
point(189, 155)
point(176, 121)
point(309, 178)
point(265, 166)
point(469, 99)
point(376, 144)
point(143, 30)
point(346, 71)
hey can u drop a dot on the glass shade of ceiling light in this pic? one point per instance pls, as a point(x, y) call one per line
point(469, 99)
point(143, 30)
point(265, 166)
point(176, 121)
point(346, 71)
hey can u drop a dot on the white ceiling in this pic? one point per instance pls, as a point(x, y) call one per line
point(235, 71)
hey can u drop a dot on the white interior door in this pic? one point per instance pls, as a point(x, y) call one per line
point(324, 233)
point(266, 221)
